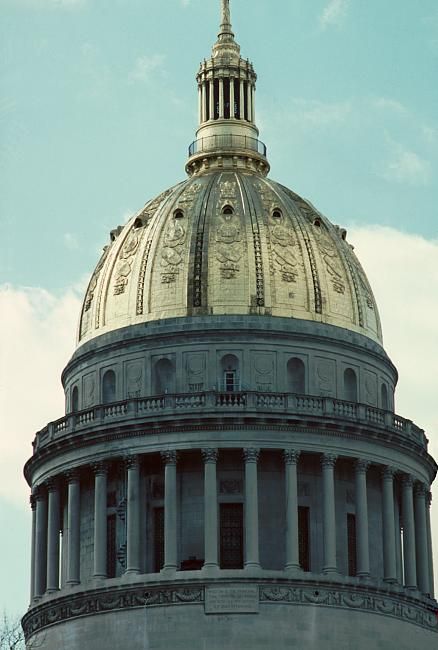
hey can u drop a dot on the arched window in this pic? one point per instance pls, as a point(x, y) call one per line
point(109, 387)
point(384, 397)
point(75, 400)
point(164, 377)
point(230, 373)
point(296, 376)
point(350, 385)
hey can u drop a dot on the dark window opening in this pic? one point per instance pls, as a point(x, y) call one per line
point(227, 106)
point(111, 556)
point(138, 223)
point(276, 214)
point(216, 99)
point(75, 400)
point(351, 533)
point(164, 377)
point(245, 100)
point(207, 98)
point(350, 385)
point(109, 387)
point(317, 223)
point(158, 539)
point(231, 536)
point(178, 214)
point(384, 397)
point(304, 537)
point(296, 376)
point(227, 210)
point(237, 98)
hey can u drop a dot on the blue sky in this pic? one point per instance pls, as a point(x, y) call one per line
point(98, 105)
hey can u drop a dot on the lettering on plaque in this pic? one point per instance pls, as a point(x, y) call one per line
point(232, 599)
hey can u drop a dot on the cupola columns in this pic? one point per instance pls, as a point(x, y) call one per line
point(227, 130)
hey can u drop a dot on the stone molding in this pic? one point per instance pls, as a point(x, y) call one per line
point(360, 598)
point(251, 455)
point(362, 465)
point(291, 456)
point(407, 481)
point(132, 462)
point(328, 461)
point(420, 490)
point(388, 473)
point(73, 476)
point(210, 455)
point(169, 457)
point(100, 468)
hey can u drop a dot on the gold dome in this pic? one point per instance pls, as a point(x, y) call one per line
point(229, 242)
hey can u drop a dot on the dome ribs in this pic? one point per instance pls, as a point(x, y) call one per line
point(259, 298)
point(197, 285)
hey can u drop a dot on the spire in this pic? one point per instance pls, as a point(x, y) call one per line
point(226, 27)
point(227, 135)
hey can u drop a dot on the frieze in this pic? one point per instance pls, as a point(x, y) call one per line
point(172, 253)
point(125, 261)
point(330, 256)
point(228, 246)
point(362, 599)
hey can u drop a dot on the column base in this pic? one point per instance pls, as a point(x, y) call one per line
point(132, 572)
point(168, 571)
point(73, 583)
point(52, 591)
point(293, 569)
point(391, 581)
point(210, 570)
point(330, 571)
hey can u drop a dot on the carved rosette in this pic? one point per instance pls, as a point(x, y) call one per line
point(210, 455)
point(328, 461)
point(251, 455)
point(169, 457)
point(291, 456)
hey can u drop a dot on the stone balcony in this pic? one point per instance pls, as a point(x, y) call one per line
point(325, 412)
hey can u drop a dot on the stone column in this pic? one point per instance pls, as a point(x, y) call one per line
point(242, 100)
point(389, 549)
point(40, 543)
point(211, 116)
point(32, 549)
point(210, 457)
point(133, 516)
point(397, 533)
point(291, 458)
point(429, 544)
point(409, 533)
point(421, 541)
point(328, 463)
point(251, 457)
point(362, 542)
point(54, 526)
point(100, 520)
point(252, 103)
point(221, 98)
point(74, 529)
point(170, 459)
point(249, 95)
point(200, 103)
point(204, 101)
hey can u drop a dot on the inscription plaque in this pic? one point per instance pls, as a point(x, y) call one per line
point(238, 599)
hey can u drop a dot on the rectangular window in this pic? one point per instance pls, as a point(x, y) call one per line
point(227, 107)
point(216, 98)
point(230, 381)
point(207, 97)
point(351, 533)
point(237, 98)
point(245, 100)
point(304, 537)
point(158, 539)
point(111, 556)
point(231, 535)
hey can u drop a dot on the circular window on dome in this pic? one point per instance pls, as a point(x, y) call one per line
point(227, 209)
point(317, 222)
point(178, 214)
point(138, 223)
point(277, 214)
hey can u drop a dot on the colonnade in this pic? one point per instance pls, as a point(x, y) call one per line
point(415, 506)
point(240, 95)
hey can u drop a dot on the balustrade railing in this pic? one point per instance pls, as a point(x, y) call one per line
point(215, 401)
point(225, 142)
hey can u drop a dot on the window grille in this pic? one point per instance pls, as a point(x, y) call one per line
point(304, 537)
point(231, 536)
point(158, 539)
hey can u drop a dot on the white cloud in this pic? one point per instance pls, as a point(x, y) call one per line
point(37, 334)
point(308, 113)
point(146, 66)
point(405, 166)
point(334, 13)
point(386, 103)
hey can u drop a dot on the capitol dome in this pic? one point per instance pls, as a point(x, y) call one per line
point(229, 241)
point(230, 472)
